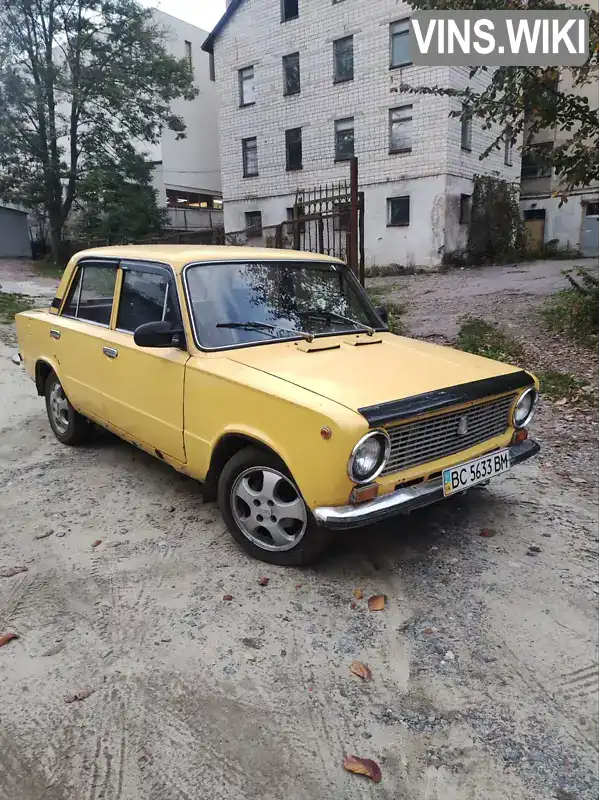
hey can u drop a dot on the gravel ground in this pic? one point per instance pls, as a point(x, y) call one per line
point(484, 660)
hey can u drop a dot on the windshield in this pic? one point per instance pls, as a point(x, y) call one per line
point(248, 302)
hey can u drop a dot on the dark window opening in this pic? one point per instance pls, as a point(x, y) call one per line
point(534, 163)
point(289, 10)
point(534, 213)
point(291, 74)
point(253, 224)
point(343, 59)
point(188, 54)
point(342, 216)
point(465, 209)
point(179, 199)
point(592, 210)
point(293, 148)
point(398, 211)
point(249, 148)
point(344, 139)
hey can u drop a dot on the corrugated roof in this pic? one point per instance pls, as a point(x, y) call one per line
point(208, 45)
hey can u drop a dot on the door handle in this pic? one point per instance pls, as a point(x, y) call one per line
point(110, 352)
point(54, 333)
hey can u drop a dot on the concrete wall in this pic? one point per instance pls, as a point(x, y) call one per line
point(255, 36)
point(565, 223)
point(14, 234)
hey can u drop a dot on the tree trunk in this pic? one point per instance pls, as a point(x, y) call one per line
point(56, 244)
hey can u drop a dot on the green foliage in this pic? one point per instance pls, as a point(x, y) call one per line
point(395, 310)
point(11, 304)
point(564, 386)
point(529, 99)
point(575, 312)
point(118, 203)
point(80, 80)
point(496, 231)
point(484, 339)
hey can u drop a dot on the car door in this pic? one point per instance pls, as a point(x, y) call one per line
point(80, 334)
point(144, 386)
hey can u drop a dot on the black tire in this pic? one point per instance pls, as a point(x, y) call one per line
point(74, 429)
point(312, 543)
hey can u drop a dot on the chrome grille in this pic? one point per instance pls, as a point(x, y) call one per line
point(428, 439)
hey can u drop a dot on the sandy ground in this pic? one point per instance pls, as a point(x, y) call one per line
point(484, 660)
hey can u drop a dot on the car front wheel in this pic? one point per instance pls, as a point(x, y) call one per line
point(265, 511)
point(68, 425)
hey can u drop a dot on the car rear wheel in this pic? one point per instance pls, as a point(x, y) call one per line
point(265, 511)
point(68, 425)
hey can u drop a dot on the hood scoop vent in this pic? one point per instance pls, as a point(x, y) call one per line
point(361, 339)
point(316, 346)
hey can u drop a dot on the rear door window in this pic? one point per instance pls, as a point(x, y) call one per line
point(92, 293)
point(145, 297)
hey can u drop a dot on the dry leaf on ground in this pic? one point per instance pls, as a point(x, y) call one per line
point(96, 542)
point(488, 533)
point(228, 597)
point(5, 638)
point(376, 602)
point(8, 572)
point(361, 670)
point(358, 594)
point(80, 694)
point(363, 766)
point(263, 581)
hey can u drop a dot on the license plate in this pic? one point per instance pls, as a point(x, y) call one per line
point(456, 479)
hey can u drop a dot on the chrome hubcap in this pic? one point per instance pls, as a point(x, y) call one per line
point(59, 408)
point(268, 509)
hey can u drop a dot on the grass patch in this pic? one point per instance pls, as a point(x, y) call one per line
point(47, 268)
point(574, 315)
point(564, 386)
point(394, 313)
point(11, 304)
point(483, 339)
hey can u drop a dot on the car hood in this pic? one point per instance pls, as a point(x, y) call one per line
point(358, 371)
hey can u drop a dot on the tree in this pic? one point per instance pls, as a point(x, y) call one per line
point(82, 84)
point(526, 100)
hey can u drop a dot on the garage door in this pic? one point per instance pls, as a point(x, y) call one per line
point(589, 237)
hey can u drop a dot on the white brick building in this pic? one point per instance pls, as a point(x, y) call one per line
point(435, 158)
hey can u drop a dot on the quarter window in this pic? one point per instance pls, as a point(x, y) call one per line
point(344, 139)
point(398, 211)
point(247, 88)
point(145, 297)
point(92, 294)
point(343, 59)
point(400, 43)
point(400, 129)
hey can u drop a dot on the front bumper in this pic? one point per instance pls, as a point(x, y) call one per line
point(402, 500)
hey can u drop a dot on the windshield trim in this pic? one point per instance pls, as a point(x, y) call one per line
point(278, 340)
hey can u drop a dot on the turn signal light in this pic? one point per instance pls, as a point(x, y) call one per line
point(520, 436)
point(362, 493)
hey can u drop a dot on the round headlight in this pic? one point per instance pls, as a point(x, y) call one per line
point(369, 457)
point(524, 408)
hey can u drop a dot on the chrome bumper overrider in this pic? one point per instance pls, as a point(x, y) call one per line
point(402, 500)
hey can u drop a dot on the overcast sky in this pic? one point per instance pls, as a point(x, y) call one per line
point(203, 13)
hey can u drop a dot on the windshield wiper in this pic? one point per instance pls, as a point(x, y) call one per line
point(333, 314)
point(266, 326)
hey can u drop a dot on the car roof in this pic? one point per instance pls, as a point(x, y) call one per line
point(178, 255)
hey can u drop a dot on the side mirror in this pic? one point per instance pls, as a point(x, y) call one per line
point(382, 313)
point(158, 334)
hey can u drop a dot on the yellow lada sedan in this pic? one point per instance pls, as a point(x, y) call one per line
point(269, 376)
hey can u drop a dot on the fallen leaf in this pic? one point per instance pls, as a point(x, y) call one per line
point(52, 651)
point(8, 572)
point(562, 402)
point(263, 581)
point(363, 766)
point(5, 638)
point(80, 694)
point(361, 670)
point(352, 605)
point(376, 602)
point(44, 535)
point(298, 585)
point(96, 542)
point(428, 631)
point(228, 597)
point(488, 533)
point(358, 594)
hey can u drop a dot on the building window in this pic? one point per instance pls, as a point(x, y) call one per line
point(533, 165)
point(344, 139)
point(211, 70)
point(465, 208)
point(466, 128)
point(592, 210)
point(247, 88)
point(293, 149)
point(508, 152)
point(249, 148)
point(291, 74)
point(400, 129)
point(188, 54)
point(398, 211)
point(400, 43)
point(289, 10)
point(343, 59)
point(253, 224)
